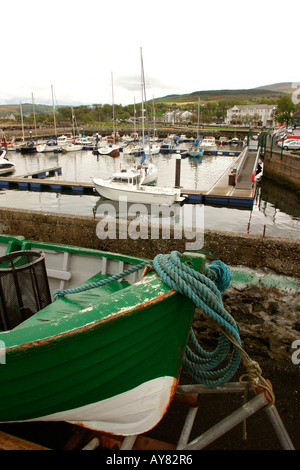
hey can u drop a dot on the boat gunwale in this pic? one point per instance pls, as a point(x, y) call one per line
point(82, 251)
point(82, 328)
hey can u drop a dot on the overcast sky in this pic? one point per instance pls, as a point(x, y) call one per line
point(187, 45)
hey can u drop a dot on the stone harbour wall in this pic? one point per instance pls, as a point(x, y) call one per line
point(283, 167)
point(278, 254)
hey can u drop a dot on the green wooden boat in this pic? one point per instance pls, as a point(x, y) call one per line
point(108, 358)
point(106, 355)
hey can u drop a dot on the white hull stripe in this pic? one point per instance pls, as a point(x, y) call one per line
point(132, 412)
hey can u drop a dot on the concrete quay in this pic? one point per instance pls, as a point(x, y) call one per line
point(283, 167)
point(278, 254)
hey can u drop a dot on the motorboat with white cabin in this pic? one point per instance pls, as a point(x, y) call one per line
point(129, 184)
point(208, 142)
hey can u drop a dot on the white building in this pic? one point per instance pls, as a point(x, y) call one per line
point(177, 116)
point(258, 114)
point(8, 117)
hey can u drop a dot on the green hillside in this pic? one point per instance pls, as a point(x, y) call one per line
point(267, 92)
point(26, 108)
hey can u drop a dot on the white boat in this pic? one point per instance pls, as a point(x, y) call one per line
point(6, 166)
point(128, 184)
point(71, 148)
point(133, 149)
point(55, 145)
point(168, 145)
point(85, 142)
point(208, 142)
point(148, 173)
point(48, 146)
point(184, 138)
point(112, 150)
point(151, 149)
point(126, 139)
point(64, 140)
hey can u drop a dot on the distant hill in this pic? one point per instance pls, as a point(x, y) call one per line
point(26, 108)
point(284, 87)
point(267, 92)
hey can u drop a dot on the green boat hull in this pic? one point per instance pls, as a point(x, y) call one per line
point(86, 349)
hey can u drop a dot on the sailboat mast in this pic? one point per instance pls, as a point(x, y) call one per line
point(22, 121)
point(73, 124)
point(113, 106)
point(134, 114)
point(144, 95)
point(153, 119)
point(53, 111)
point(34, 114)
point(198, 134)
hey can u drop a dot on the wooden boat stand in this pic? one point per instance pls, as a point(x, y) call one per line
point(189, 395)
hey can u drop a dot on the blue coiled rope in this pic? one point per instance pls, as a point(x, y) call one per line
point(214, 368)
point(205, 291)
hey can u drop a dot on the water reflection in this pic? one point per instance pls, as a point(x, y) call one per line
point(280, 197)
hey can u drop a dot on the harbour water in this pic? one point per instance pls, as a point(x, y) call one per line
point(276, 210)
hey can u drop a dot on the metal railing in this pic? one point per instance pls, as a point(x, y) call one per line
point(242, 163)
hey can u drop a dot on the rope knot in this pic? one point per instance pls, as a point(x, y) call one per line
point(254, 373)
point(220, 274)
point(256, 381)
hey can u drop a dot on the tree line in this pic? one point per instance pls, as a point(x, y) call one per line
point(209, 111)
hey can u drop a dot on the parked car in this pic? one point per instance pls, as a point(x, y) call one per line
point(291, 144)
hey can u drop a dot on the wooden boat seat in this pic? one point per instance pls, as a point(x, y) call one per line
point(73, 303)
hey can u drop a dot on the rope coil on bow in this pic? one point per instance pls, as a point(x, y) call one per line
point(205, 366)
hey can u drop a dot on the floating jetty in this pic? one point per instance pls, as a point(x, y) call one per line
point(236, 187)
point(40, 179)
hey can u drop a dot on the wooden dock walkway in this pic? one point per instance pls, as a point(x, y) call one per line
point(223, 193)
point(48, 172)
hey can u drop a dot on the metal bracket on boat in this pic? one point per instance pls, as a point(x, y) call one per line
point(194, 260)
